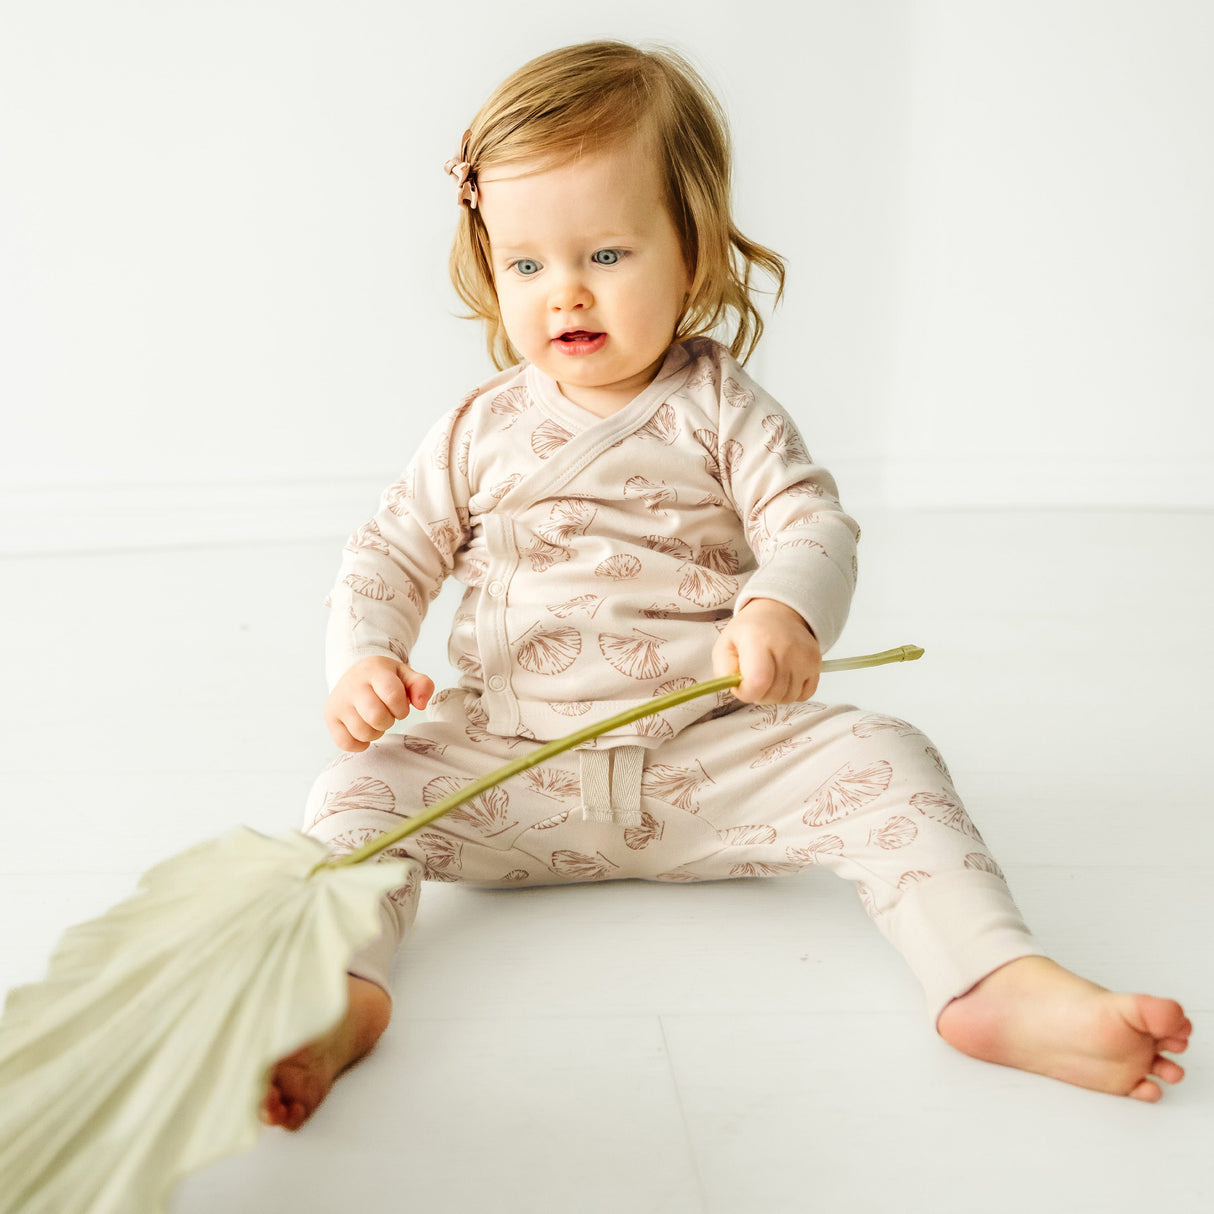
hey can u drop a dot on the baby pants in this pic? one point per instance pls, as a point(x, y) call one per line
point(750, 790)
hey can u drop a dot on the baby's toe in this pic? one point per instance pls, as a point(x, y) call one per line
point(1179, 1039)
point(1146, 1090)
point(1166, 1069)
point(272, 1111)
point(297, 1114)
point(1164, 1019)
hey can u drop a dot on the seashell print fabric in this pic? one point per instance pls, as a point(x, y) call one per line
point(833, 791)
point(601, 556)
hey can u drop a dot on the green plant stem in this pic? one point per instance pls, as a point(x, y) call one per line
point(904, 653)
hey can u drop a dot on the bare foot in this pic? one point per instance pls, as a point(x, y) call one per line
point(303, 1079)
point(1036, 1016)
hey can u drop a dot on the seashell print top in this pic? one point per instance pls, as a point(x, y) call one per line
point(601, 556)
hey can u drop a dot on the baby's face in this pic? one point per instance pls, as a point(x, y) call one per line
point(589, 273)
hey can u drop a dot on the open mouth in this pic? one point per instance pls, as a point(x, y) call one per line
point(579, 341)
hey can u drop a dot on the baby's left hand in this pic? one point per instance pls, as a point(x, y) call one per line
point(773, 649)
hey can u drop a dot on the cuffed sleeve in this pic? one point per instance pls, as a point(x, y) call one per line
point(804, 542)
point(394, 565)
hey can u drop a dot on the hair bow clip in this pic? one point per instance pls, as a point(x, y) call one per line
point(464, 174)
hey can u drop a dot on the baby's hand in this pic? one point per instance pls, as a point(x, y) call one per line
point(370, 698)
point(773, 649)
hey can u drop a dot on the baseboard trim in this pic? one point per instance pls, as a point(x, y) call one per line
point(102, 518)
point(48, 518)
point(1066, 482)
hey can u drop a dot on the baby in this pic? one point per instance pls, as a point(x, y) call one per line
point(630, 513)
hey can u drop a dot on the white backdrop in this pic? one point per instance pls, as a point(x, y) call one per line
point(224, 311)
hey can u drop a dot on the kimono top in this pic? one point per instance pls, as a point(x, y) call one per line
point(602, 556)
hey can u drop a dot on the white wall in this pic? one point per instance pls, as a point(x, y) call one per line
point(1054, 333)
point(223, 230)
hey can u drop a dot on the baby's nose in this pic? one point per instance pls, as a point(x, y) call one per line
point(568, 292)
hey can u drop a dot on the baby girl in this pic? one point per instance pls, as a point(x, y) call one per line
point(630, 513)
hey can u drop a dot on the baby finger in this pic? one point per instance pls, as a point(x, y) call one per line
point(359, 729)
point(373, 710)
point(344, 738)
point(387, 685)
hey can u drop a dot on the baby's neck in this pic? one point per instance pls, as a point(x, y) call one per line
point(607, 399)
point(601, 404)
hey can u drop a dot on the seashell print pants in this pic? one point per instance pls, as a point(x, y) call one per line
point(758, 791)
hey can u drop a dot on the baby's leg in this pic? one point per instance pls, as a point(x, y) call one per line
point(870, 797)
point(360, 796)
point(1027, 1012)
point(302, 1080)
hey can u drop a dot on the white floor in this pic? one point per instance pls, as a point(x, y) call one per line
point(626, 1047)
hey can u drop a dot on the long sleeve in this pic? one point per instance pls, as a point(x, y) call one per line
point(394, 565)
point(803, 540)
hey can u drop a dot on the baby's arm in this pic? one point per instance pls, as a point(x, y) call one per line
point(795, 604)
point(392, 568)
point(371, 697)
point(773, 649)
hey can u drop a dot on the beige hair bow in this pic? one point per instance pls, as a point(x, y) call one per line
point(464, 173)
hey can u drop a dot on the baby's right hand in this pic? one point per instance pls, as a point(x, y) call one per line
point(371, 697)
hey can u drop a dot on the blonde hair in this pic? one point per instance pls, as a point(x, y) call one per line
point(583, 98)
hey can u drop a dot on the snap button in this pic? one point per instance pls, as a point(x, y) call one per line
point(497, 683)
point(496, 589)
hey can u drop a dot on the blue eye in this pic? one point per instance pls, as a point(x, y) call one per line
point(526, 266)
point(606, 257)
